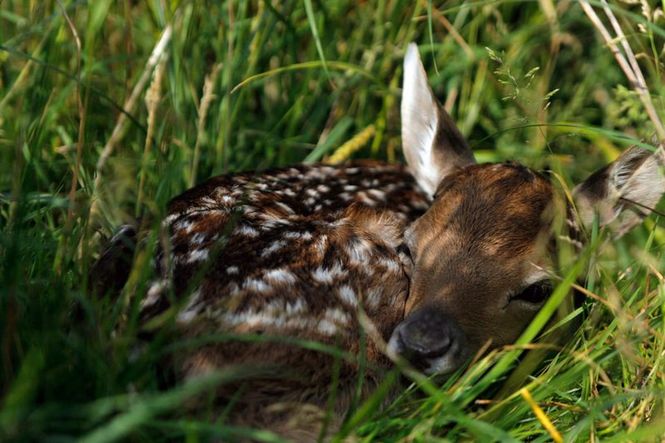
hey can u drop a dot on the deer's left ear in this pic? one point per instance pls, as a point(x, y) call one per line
point(432, 144)
point(623, 192)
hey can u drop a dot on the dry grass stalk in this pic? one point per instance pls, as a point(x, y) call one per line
point(81, 130)
point(346, 150)
point(541, 416)
point(454, 33)
point(206, 100)
point(121, 125)
point(23, 76)
point(152, 99)
point(626, 60)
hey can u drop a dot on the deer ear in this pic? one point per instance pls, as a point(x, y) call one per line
point(432, 144)
point(623, 192)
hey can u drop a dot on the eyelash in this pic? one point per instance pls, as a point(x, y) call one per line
point(535, 293)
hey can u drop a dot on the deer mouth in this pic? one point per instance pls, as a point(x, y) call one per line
point(429, 340)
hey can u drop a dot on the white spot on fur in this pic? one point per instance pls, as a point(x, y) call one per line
point(364, 198)
point(184, 225)
point(208, 201)
point(296, 307)
point(379, 195)
point(322, 275)
point(337, 315)
point(420, 204)
point(326, 327)
point(348, 295)
point(373, 297)
point(328, 275)
point(285, 208)
point(358, 251)
point(321, 244)
point(247, 231)
point(197, 255)
point(337, 271)
point(254, 284)
point(198, 239)
point(232, 270)
point(154, 293)
point(281, 275)
point(305, 235)
point(189, 312)
point(270, 222)
point(248, 319)
point(170, 219)
point(390, 265)
point(274, 247)
point(331, 321)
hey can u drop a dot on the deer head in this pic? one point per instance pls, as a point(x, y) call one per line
point(481, 252)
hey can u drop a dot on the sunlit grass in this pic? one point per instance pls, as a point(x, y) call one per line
point(291, 81)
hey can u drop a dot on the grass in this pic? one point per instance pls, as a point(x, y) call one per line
point(250, 84)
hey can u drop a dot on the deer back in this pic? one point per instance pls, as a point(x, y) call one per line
point(290, 252)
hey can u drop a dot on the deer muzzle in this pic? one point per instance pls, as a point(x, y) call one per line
point(430, 340)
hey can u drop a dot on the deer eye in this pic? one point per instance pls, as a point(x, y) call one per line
point(535, 293)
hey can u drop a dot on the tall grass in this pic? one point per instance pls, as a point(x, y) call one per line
point(241, 84)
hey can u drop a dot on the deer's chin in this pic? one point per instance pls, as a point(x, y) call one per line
point(440, 365)
point(443, 365)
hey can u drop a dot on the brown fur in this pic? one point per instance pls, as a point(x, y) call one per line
point(493, 223)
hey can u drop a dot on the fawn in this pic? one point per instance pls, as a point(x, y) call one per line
point(442, 256)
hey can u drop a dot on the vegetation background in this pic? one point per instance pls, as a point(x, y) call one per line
point(110, 108)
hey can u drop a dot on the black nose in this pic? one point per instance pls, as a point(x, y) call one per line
point(428, 334)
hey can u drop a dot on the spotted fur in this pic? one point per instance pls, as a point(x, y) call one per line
point(233, 240)
point(294, 252)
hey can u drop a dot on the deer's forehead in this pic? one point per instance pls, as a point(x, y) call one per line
point(495, 191)
point(494, 210)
